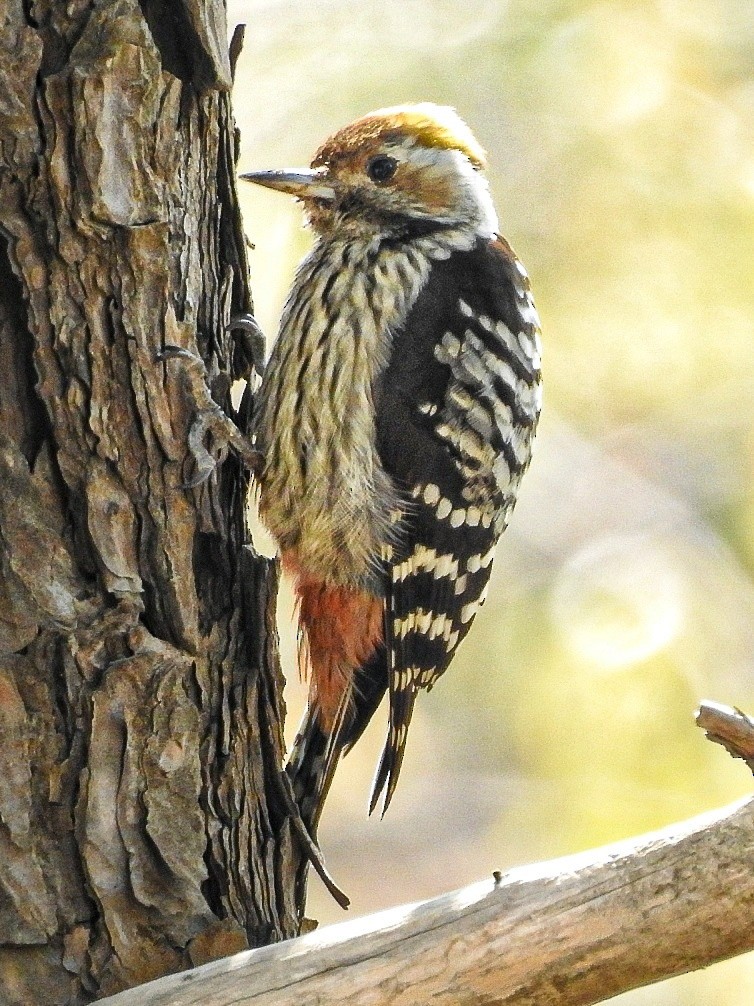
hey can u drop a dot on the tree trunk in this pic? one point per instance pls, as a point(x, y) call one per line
point(141, 711)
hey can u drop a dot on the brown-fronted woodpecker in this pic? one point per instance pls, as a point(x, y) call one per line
point(395, 418)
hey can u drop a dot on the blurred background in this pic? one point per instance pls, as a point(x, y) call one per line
point(621, 144)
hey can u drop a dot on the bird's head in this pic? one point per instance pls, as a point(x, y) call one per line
point(402, 172)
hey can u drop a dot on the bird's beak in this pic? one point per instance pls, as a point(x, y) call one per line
point(304, 183)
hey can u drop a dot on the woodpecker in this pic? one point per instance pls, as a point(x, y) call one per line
point(395, 419)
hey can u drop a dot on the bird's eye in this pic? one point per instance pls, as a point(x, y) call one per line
point(381, 168)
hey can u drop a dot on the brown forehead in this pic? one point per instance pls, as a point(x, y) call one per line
point(355, 141)
point(367, 135)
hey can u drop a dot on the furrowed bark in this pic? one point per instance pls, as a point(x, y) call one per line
point(140, 691)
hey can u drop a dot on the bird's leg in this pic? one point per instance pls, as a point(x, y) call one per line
point(210, 418)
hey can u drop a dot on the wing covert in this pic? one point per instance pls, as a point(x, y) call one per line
point(457, 407)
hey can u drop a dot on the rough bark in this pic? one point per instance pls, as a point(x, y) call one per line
point(140, 696)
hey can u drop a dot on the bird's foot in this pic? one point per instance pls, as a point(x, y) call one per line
point(209, 419)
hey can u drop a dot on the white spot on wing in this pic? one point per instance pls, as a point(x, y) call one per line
point(428, 408)
point(431, 494)
point(468, 611)
point(457, 518)
point(473, 516)
point(448, 348)
point(443, 508)
point(529, 312)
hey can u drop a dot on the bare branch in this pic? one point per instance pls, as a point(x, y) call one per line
point(572, 931)
point(729, 727)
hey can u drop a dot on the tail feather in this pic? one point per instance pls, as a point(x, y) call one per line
point(316, 752)
point(311, 768)
point(401, 709)
point(369, 686)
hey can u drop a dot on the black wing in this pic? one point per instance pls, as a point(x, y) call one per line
point(457, 407)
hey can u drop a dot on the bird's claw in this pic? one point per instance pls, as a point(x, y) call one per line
point(225, 432)
point(209, 418)
point(252, 339)
point(170, 352)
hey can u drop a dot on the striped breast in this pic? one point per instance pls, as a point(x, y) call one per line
point(324, 493)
